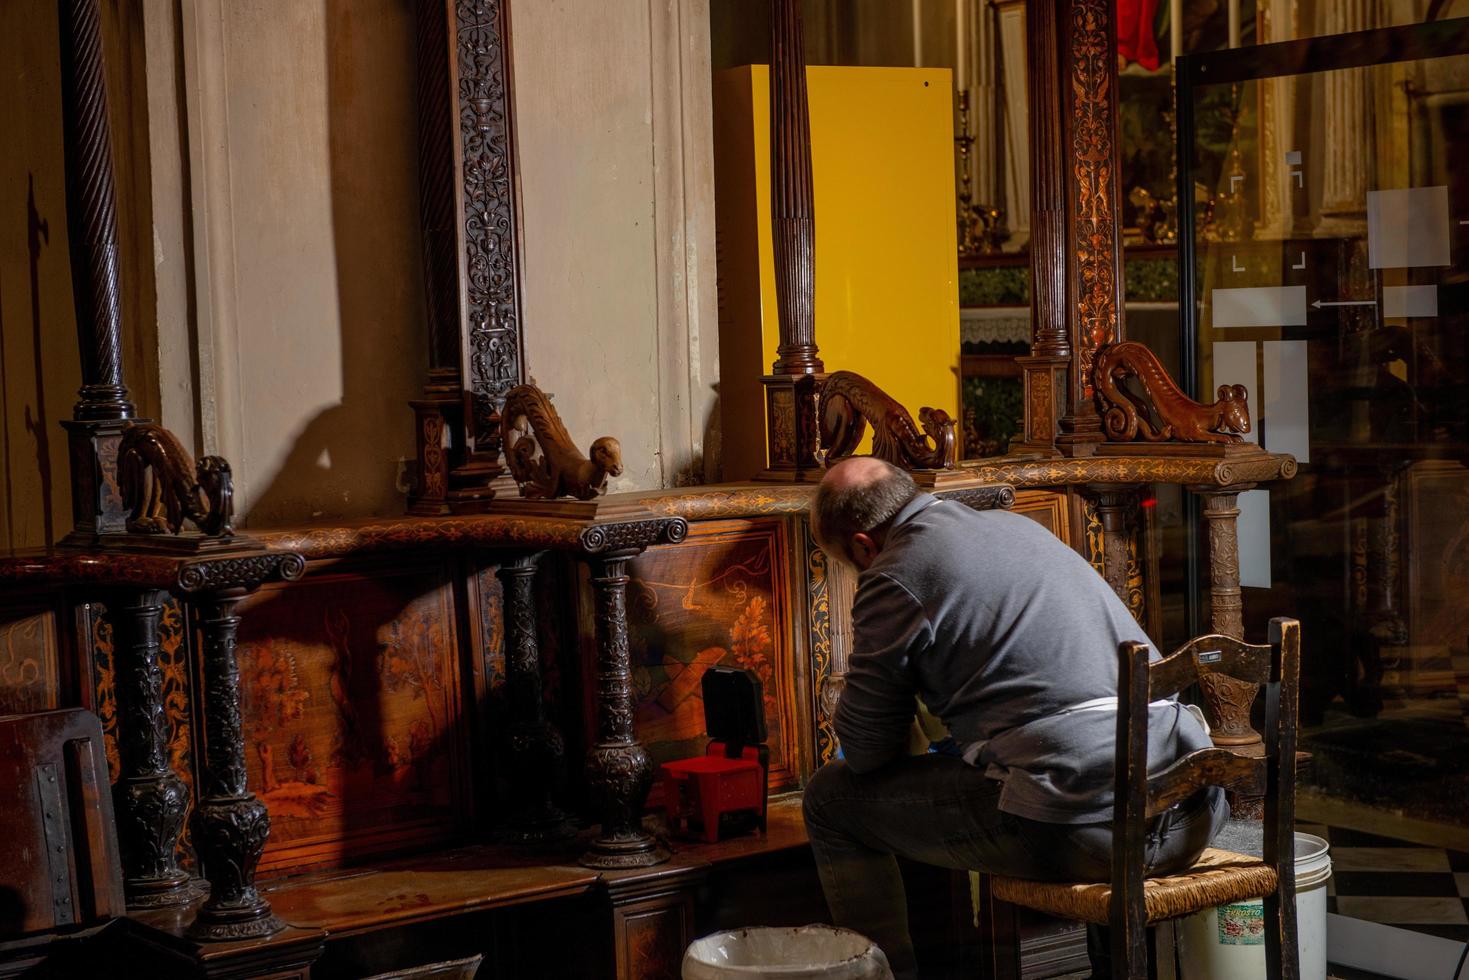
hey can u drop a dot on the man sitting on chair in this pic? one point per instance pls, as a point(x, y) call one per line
point(1010, 638)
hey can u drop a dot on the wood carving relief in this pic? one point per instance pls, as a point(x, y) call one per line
point(351, 713)
point(162, 487)
point(1094, 153)
point(544, 461)
point(849, 402)
point(819, 633)
point(1166, 413)
point(492, 291)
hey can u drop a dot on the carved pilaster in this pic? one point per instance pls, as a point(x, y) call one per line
point(537, 754)
point(490, 265)
point(151, 801)
point(1094, 228)
point(1228, 700)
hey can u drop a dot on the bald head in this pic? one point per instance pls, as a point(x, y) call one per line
point(854, 505)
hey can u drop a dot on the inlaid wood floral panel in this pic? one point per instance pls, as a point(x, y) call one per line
point(352, 713)
point(29, 678)
point(721, 597)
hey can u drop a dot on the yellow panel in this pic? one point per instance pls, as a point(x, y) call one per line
point(887, 303)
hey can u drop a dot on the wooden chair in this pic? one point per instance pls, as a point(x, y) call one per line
point(1218, 877)
point(59, 867)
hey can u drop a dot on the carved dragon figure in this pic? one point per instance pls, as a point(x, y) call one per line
point(177, 490)
point(849, 401)
point(1127, 417)
point(540, 453)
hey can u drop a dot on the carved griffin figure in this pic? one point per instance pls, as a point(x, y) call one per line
point(1127, 417)
point(540, 453)
point(849, 402)
point(177, 489)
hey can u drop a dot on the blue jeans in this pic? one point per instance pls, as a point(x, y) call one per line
point(939, 810)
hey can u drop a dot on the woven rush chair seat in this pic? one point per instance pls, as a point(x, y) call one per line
point(1217, 878)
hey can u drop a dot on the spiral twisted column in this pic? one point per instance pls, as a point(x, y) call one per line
point(91, 213)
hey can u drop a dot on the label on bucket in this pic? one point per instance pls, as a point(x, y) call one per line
point(1242, 925)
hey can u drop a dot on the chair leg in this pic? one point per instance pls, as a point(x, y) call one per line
point(1282, 955)
point(999, 935)
point(1130, 944)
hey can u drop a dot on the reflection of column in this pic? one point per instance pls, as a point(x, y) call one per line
point(537, 753)
point(1010, 17)
point(1348, 137)
point(986, 115)
point(1227, 699)
point(1384, 562)
point(1275, 20)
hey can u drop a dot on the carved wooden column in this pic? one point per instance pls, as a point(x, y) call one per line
point(1076, 249)
point(790, 388)
point(91, 216)
point(471, 249)
point(231, 825)
point(618, 769)
point(1227, 699)
point(439, 414)
point(1046, 369)
point(151, 800)
point(1117, 508)
point(537, 754)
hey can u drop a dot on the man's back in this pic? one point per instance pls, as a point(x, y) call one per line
point(1011, 638)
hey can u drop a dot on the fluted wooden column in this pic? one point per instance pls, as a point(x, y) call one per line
point(790, 388)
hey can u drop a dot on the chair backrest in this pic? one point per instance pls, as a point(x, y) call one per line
point(1140, 797)
point(59, 865)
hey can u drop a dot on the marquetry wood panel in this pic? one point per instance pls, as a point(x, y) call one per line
point(722, 596)
point(30, 674)
point(353, 714)
point(1049, 508)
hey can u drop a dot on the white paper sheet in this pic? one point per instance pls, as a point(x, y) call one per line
point(1408, 227)
point(1254, 539)
point(1260, 306)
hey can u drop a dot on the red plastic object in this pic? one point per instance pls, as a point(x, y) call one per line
point(707, 787)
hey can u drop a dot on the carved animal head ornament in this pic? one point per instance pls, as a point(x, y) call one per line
point(1166, 413)
point(541, 456)
point(162, 486)
point(848, 402)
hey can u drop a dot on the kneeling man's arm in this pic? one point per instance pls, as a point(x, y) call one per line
point(889, 629)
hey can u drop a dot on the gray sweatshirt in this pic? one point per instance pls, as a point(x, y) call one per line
point(1003, 631)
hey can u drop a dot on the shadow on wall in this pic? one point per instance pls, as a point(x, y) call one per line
point(369, 61)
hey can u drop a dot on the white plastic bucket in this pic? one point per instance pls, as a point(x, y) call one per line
point(787, 953)
point(1228, 943)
